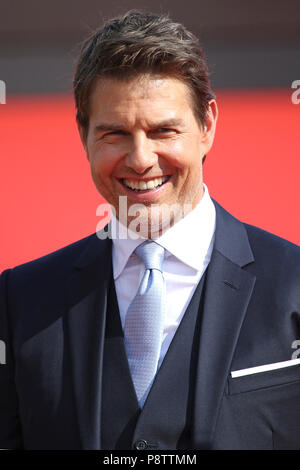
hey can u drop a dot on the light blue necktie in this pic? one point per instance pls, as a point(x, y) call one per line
point(144, 320)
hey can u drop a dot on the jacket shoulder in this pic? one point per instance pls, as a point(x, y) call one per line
point(55, 265)
point(40, 285)
point(262, 240)
point(66, 254)
point(277, 262)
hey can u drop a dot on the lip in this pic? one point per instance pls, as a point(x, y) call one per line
point(147, 194)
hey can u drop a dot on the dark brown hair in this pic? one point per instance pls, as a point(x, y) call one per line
point(139, 43)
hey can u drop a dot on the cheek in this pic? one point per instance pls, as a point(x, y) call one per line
point(103, 162)
point(174, 154)
point(184, 154)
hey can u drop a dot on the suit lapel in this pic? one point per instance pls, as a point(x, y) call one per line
point(85, 329)
point(227, 295)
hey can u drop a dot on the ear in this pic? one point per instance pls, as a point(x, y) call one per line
point(83, 138)
point(209, 127)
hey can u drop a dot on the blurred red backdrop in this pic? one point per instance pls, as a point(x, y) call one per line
point(48, 198)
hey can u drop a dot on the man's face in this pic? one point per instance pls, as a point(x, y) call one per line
point(145, 143)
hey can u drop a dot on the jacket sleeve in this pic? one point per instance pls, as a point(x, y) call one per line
point(10, 427)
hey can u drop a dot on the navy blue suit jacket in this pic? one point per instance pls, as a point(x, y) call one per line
point(52, 320)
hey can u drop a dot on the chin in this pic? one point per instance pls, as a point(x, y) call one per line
point(153, 222)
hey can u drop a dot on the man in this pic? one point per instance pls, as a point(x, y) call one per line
point(179, 335)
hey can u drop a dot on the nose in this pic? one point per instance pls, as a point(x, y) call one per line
point(141, 155)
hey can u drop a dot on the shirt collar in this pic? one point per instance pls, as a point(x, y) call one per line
point(195, 231)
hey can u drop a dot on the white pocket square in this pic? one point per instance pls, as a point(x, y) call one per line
point(264, 368)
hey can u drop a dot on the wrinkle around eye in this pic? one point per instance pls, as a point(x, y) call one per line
point(165, 132)
point(112, 135)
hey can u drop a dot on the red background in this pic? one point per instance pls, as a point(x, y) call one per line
point(48, 198)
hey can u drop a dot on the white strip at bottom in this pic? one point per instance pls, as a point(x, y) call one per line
point(266, 367)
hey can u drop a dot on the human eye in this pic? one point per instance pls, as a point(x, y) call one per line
point(112, 136)
point(115, 132)
point(163, 131)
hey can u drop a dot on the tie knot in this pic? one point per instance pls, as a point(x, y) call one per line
point(151, 254)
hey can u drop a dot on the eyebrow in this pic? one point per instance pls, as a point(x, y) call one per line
point(176, 122)
point(119, 127)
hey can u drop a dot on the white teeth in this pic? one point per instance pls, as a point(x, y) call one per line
point(143, 185)
point(151, 184)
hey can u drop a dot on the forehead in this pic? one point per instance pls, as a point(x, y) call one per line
point(148, 92)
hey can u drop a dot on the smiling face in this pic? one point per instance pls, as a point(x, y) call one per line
point(144, 142)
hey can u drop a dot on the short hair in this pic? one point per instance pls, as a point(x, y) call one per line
point(138, 43)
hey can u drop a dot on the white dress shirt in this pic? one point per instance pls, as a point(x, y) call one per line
point(188, 246)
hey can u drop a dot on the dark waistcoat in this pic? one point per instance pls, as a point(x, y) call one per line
point(166, 419)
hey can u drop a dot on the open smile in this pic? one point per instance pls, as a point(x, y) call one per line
point(141, 186)
point(144, 189)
